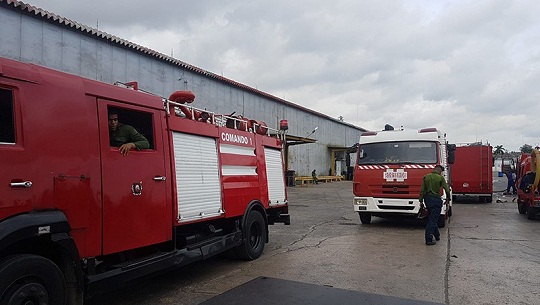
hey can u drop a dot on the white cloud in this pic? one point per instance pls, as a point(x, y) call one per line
point(470, 68)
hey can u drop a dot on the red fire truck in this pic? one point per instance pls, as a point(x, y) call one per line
point(472, 172)
point(389, 171)
point(78, 218)
point(527, 184)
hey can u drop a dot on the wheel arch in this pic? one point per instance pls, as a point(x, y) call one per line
point(45, 234)
point(256, 205)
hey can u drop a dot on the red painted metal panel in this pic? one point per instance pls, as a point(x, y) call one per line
point(131, 220)
point(56, 140)
point(472, 170)
point(62, 147)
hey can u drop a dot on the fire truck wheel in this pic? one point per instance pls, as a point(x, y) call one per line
point(365, 218)
point(30, 279)
point(254, 237)
point(531, 213)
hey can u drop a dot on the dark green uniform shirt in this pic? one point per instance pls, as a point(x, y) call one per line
point(431, 185)
point(127, 134)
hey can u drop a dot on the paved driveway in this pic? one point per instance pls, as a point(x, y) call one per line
point(488, 254)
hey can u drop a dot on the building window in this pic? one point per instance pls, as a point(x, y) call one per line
point(7, 121)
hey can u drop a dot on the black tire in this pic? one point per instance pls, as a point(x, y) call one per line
point(36, 278)
point(254, 237)
point(441, 223)
point(489, 199)
point(522, 209)
point(365, 218)
point(531, 213)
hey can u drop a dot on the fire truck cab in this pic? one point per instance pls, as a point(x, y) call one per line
point(389, 171)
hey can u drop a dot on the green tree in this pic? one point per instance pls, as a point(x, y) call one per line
point(499, 150)
point(526, 148)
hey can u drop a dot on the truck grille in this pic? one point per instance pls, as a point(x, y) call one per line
point(395, 189)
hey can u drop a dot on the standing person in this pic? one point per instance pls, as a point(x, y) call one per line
point(430, 192)
point(511, 183)
point(314, 176)
point(125, 137)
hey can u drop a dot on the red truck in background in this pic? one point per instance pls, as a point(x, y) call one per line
point(472, 172)
point(390, 167)
point(79, 218)
point(527, 184)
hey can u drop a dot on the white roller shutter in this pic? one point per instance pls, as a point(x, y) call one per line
point(275, 176)
point(197, 177)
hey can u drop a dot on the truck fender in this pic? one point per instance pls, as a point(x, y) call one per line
point(31, 225)
point(54, 224)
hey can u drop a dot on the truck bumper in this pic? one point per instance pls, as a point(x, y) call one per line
point(281, 218)
point(388, 206)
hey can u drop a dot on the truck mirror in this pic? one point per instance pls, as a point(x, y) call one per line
point(451, 153)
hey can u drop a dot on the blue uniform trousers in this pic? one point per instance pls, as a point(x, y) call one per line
point(434, 206)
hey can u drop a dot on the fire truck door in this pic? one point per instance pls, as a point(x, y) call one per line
point(134, 186)
point(16, 176)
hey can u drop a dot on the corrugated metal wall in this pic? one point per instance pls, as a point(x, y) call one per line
point(45, 42)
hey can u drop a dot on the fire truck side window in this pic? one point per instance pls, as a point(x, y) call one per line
point(141, 121)
point(7, 122)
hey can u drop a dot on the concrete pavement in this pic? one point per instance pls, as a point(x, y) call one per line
point(488, 254)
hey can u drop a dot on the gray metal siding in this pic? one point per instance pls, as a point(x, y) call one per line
point(40, 41)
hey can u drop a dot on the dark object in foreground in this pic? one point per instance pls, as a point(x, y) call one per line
point(266, 291)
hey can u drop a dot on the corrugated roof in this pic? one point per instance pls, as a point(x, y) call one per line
point(51, 17)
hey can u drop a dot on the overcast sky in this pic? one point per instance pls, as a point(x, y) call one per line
point(469, 68)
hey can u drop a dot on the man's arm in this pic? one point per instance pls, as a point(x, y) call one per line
point(138, 139)
point(422, 191)
point(134, 140)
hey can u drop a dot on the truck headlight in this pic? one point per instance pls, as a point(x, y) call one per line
point(360, 201)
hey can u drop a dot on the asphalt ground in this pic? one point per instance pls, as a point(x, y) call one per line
point(488, 254)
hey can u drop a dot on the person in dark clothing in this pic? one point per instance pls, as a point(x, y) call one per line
point(430, 192)
point(125, 137)
point(314, 176)
point(511, 183)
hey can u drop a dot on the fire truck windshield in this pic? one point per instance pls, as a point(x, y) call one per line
point(405, 152)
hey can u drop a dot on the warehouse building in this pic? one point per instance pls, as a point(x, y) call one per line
point(30, 34)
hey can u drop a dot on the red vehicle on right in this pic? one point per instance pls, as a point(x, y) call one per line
point(527, 181)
